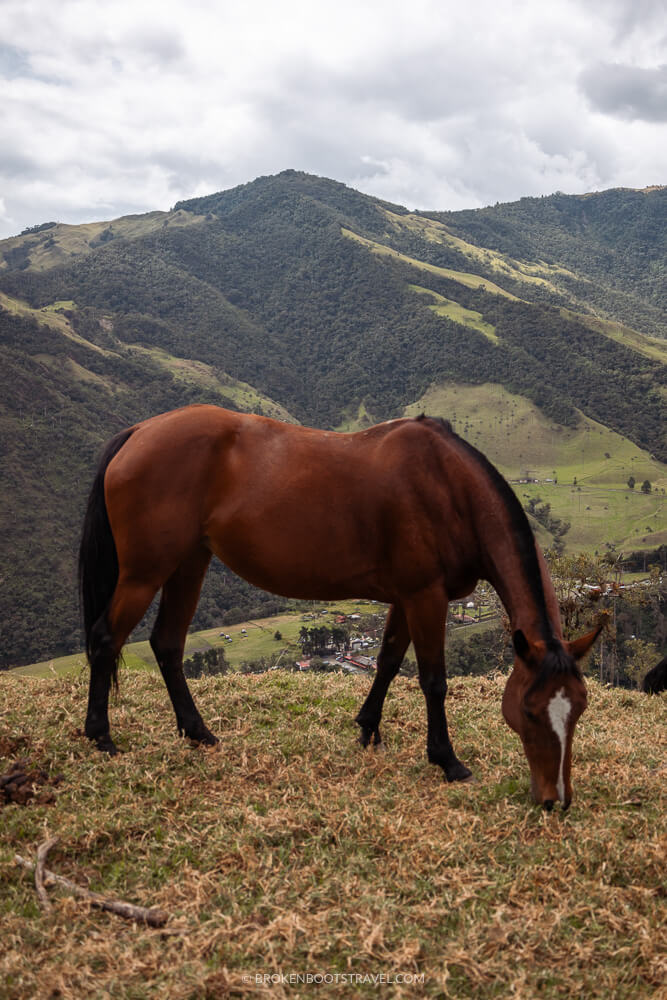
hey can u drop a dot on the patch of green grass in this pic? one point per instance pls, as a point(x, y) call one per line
point(534, 273)
point(50, 316)
point(458, 313)
point(72, 664)
point(61, 304)
point(626, 518)
point(520, 439)
point(356, 418)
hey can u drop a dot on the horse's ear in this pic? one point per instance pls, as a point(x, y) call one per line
point(521, 644)
point(579, 647)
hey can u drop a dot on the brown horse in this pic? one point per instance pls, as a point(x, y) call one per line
point(405, 513)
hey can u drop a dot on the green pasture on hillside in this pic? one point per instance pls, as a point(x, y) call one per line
point(582, 472)
point(259, 641)
point(520, 440)
point(67, 241)
point(627, 519)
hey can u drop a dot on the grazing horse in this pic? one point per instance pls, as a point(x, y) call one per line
point(656, 679)
point(405, 513)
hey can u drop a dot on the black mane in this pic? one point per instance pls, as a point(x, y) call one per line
point(560, 661)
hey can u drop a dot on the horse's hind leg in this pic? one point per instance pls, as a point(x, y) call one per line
point(395, 642)
point(177, 606)
point(426, 615)
point(128, 605)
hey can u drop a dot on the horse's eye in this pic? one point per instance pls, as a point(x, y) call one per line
point(529, 715)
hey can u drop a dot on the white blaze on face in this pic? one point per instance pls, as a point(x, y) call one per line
point(559, 711)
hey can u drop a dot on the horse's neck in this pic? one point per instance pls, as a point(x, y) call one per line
point(506, 548)
point(531, 603)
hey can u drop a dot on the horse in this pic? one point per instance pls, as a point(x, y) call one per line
point(405, 513)
point(656, 679)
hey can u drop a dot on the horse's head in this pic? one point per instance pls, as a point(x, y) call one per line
point(543, 699)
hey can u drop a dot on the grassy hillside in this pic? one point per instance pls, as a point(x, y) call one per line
point(53, 244)
point(583, 471)
point(291, 851)
point(522, 440)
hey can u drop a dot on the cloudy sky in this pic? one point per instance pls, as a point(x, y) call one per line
point(116, 106)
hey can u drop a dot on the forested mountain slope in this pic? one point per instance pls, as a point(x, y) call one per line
point(616, 239)
point(300, 298)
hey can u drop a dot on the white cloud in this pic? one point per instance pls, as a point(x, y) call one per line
point(119, 106)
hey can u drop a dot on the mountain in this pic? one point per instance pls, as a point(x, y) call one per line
point(300, 298)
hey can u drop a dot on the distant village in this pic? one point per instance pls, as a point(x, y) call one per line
point(341, 648)
point(352, 642)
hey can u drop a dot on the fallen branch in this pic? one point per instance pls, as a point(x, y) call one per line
point(42, 852)
point(153, 917)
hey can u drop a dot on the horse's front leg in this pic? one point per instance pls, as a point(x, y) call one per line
point(395, 642)
point(427, 616)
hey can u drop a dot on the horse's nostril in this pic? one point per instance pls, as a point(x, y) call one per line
point(548, 804)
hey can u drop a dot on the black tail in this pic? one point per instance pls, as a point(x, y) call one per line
point(98, 562)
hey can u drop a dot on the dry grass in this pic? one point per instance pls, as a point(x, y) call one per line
point(290, 851)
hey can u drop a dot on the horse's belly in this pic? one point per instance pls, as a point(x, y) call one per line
point(330, 548)
point(308, 564)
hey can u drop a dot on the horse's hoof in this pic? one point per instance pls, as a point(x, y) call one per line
point(205, 739)
point(458, 772)
point(209, 744)
point(107, 746)
point(369, 736)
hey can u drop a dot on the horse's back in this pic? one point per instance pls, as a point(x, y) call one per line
point(312, 513)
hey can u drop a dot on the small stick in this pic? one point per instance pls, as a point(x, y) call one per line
point(153, 917)
point(42, 852)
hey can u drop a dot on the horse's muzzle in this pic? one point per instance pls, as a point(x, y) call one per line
point(548, 805)
point(551, 800)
